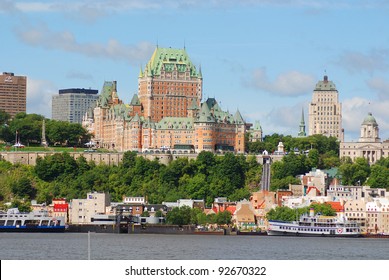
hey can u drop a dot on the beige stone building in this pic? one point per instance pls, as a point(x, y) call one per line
point(325, 110)
point(244, 216)
point(369, 145)
point(377, 216)
point(82, 210)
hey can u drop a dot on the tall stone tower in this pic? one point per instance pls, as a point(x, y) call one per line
point(169, 84)
point(325, 111)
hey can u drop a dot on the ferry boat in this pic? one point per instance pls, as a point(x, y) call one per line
point(14, 221)
point(315, 225)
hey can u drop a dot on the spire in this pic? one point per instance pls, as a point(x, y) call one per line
point(141, 72)
point(238, 117)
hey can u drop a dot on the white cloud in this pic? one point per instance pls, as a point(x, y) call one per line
point(381, 86)
point(290, 84)
point(39, 96)
point(106, 6)
point(354, 111)
point(354, 62)
point(41, 36)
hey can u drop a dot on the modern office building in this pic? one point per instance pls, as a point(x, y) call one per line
point(167, 112)
point(72, 104)
point(325, 111)
point(13, 93)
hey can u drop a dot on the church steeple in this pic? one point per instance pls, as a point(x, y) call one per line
point(302, 132)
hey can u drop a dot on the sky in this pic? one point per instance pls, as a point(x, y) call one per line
point(261, 57)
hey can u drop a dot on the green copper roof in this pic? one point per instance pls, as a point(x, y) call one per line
point(325, 85)
point(169, 59)
point(106, 93)
point(175, 123)
point(302, 132)
point(135, 100)
point(193, 106)
point(238, 118)
point(257, 126)
point(370, 119)
point(205, 114)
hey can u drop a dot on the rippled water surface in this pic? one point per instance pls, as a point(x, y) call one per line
point(74, 246)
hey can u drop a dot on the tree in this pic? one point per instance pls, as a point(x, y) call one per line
point(179, 216)
point(223, 218)
point(23, 188)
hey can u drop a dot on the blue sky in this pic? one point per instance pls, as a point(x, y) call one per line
point(262, 57)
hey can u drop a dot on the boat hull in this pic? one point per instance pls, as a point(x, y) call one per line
point(305, 234)
point(32, 229)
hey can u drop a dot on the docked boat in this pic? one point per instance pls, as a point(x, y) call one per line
point(14, 221)
point(315, 225)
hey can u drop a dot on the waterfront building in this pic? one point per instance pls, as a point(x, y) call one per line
point(377, 216)
point(13, 93)
point(60, 208)
point(244, 216)
point(355, 210)
point(166, 114)
point(71, 104)
point(83, 210)
point(325, 110)
point(369, 145)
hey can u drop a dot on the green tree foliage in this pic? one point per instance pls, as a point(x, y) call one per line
point(284, 213)
point(23, 188)
point(223, 218)
point(179, 216)
point(23, 206)
point(379, 174)
point(354, 173)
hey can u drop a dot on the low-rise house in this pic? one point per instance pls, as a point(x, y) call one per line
point(244, 216)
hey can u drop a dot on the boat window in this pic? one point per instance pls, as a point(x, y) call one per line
point(10, 223)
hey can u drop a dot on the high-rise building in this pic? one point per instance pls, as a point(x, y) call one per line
point(72, 104)
point(325, 111)
point(13, 91)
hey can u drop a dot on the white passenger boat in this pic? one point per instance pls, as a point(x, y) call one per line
point(14, 221)
point(315, 225)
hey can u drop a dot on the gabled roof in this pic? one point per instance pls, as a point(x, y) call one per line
point(135, 100)
point(106, 94)
point(257, 126)
point(238, 118)
point(205, 115)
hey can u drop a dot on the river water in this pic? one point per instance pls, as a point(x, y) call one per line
point(74, 246)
